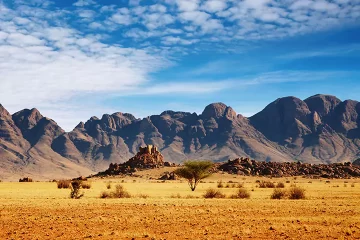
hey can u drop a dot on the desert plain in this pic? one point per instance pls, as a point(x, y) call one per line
point(170, 210)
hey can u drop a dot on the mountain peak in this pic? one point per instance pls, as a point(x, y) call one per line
point(214, 110)
point(322, 104)
point(3, 111)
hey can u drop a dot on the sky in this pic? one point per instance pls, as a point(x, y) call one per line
point(76, 59)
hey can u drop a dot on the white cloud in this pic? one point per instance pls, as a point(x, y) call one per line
point(82, 3)
point(187, 5)
point(214, 5)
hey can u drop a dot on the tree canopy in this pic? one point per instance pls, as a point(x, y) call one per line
point(194, 171)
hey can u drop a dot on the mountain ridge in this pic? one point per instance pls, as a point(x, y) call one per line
point(319, 129)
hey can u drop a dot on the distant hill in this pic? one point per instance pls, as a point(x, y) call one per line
point(320, 129)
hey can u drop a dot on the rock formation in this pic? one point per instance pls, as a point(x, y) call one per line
point(247, 167)
point(147, 158)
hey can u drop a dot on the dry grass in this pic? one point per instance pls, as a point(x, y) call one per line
point(241, 193)
point(212, 193)
point(39, 210)
point(63, 184)
point(278, 194)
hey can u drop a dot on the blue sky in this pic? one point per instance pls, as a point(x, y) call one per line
point(76, 59)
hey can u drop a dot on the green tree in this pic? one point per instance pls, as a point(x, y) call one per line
point(194, 171)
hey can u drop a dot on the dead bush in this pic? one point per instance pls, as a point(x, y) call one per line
point(108, 185)
point(120, 192)
point(241, 193)
point(266, 184)
point(175, 195)
point(86, 185)
point(220, 184)
point(278, 194)
point(63, 184)
point(105, 195)
point(212, 193)
point(296, 193)
point(75, 190)
point(25, 179)
point(280, 185)
point(353, 185)
point(240, 185)
point(142, 195)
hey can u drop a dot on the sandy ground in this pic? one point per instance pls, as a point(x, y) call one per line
point(41, 211)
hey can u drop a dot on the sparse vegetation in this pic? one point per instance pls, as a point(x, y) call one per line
point(266, 184)
point(119, 192)
point(241, 193)
point(75, 190)
point(85, 185)
point(280, 185)
point(25, 179)
point(212, 193)
point(63, 184)
point(194, 172)
point(108, 185)
point(296, 193)
point(278, 194)
point(220, 184)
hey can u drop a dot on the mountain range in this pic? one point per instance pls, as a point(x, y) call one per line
point(319, 129)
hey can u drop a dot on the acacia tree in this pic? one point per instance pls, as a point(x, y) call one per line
point(194, 171)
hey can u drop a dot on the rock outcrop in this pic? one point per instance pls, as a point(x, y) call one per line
point(147, 158)
point(247, 167)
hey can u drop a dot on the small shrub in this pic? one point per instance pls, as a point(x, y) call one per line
point(266, 184)
point(105, 195)
point(123, 181)
point(227, 186)
point(220, 184)
point(328, 182)
point(310, 182)
point(141, 195)
point(240, 185)
point(63, 184)
point(134, 181)
point(241, 193)
point(296, 193)
point(75, 190)
point(212, 193)
point(257, 181)
point(280, 185)
point(175, 195)
point(353, 185)
point(108, 185)
point(25, 179)
point(278, 194)
point(120, 192)
point(287, 181)
point(86, 185)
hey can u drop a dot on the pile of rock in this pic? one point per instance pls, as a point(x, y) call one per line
point(148, 157)
point(247, 167)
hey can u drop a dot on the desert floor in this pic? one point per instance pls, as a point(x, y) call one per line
point(39, 210)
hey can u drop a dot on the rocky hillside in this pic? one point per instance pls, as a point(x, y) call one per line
point(320, 129)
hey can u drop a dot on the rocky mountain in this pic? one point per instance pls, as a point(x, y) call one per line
point(320, 129)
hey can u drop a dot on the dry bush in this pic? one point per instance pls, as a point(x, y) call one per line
point(353, 185)
point(142, 195)
point(108, 185)
point(75, 190)
point(241, 193)
point(278, 194)
point(212, 193)
point(227, 186)
point(287, 181)
point(240, 185)
point(175, 195)
point(63, 184)
point(220, 184)
point(233, 185)
point(86, 185)
point(296, 193)
point(120, 192)
point(25, 179)
point(257, 181)
point(105, 195)
point(266, 184)
point(280, 185)
point(328, 182)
